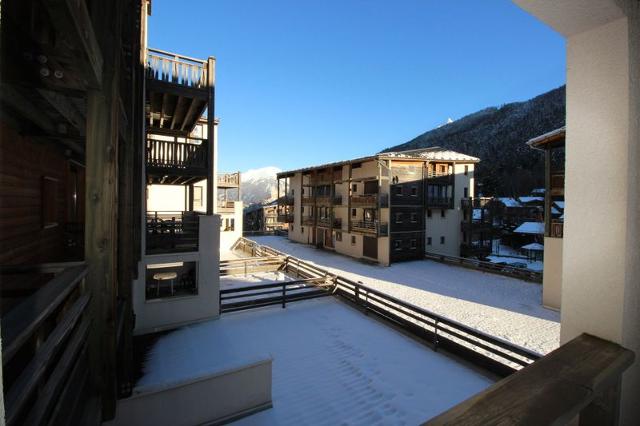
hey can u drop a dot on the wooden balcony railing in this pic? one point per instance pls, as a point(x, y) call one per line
point(308, 220)
point(191, 154)
point(370, 200)
point(557, 184)
point(177, 69)
point(229, 179)
point(556, 230)
point(169, 232)
point(308, 199)
point(285, 218)
point(337, 200)
point(443, 202)
point(226, 206)
point(432, 174)
point(380, 229)
point(45, 350)
point(581, 379)
point(286, 200)
point(323, 200)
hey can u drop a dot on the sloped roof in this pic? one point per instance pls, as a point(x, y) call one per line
point(509, 202)
point(530, 199)
point(434, 153)
point(533, 246)
point(530, 228)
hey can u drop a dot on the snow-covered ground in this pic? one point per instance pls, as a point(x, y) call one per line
point(331, 365)
point(501, 306)
point(238, 281)
point(509, 255)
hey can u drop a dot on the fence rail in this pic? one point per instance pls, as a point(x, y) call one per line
point(509, 271)
point(178, 69)
point(49, 331)
point(495, 354)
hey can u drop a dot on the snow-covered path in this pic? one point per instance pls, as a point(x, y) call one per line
point(501, 306)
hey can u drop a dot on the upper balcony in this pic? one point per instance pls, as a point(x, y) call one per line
point(229, 180)
point(176, 161)
point(370, 200)
point(178, 90)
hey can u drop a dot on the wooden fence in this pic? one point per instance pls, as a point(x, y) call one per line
point(45, 353)
point(506, 270)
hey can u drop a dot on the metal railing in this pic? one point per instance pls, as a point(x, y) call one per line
point(190, 153)
point(495, 354)
point(177, 69)
point(439, 201)
point(44, 353)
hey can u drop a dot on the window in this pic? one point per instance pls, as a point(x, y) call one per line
point(397, 190)
point(166, 280)
point(443, 213)
point(441, 240)
point(302, 229)
point(398, 217)
point(353, 212)
point(49, 202)
point(428, 212)
point(414, 244)
point(428, 241)
point(353, 240)
point(354, 187)
point(338, 236)
point(197, 196)
point(302, 209)
point(414, 191)
point(414, 217)
point(397, 245)
point(466, 170)
point(302, 190)
point(466, 192)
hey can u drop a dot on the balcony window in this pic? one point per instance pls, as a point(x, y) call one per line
point(466, 192)
point(414, 217)
point(466, 170)
point(354, 188)
point(397, 245)
point(428, 241)
point(353, 240)
point(338, 236)
point(168, 280)
point(354, 213)
point(441, 240)
point(398, 217)
point(302, 229)
point(414, 244)
point(443, 213)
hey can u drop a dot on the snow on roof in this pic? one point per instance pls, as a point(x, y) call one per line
point(559, 204)
point(433, 153)
point(533, 246)
point(551, 136)
point(530, 199)
point(530, 228)
point(537, 191)
point(555, 210)
point(477, 214)
point(331, 365)
point(509, 202)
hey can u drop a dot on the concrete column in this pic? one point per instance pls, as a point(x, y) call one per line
point(601, 255)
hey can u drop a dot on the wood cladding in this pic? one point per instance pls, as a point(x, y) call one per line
point(29, 172)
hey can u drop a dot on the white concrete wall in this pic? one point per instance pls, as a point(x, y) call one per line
point(228, 238)
point(166, 198)
point(213, 398)
point(166, 313)
point(552, 278)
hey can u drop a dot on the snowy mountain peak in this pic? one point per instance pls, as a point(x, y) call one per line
point(259, 185)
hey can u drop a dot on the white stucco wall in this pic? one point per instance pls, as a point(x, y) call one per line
point(160, 314)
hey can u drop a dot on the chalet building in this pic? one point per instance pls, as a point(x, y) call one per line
point(384, 208)
point(480, 225)
point(553, 145)
point(262, 218)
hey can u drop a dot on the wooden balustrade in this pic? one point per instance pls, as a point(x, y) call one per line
point(229, 179)
point(177, 69)
point(45, 347)
point(169, 232)
point(192, 154)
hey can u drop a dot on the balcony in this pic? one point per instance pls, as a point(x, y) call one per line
point(178, 90)
point(440, 202)
point(556, 230)
point(308, 199)
point(308, 221)
point(379, 229)
point(370, 200)
point(337, 200)
point(226, 207)
point(557, 184)
point(176, 161)
point(171, 232)
point(324, 222)
point(323, 200)
point(439, 177)
point(285, 218)
point(229, 180)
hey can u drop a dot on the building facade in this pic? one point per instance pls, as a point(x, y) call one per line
point(262, 218)
point(383, 208)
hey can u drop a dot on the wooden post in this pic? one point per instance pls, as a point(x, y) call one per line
point(211, 178)
point(190, 198)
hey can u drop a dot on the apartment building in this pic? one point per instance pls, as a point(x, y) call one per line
point(262, 218)
point(384, 208)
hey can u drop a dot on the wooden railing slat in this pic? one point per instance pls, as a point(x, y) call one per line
point(21, 322)
point(26, 383)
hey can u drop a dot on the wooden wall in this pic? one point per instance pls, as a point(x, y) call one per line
point(23, 164)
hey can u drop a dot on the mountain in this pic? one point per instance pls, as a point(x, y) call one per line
point(497, 136)
point(259, 185)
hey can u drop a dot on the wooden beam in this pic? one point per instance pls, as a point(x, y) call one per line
point(163, 108)
point(72, 20)
point(65, 107)
point(189, 115)
point(211, 178)
point(20, 103)
point(175, 112)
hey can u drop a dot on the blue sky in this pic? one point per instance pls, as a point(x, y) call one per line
point(308, 82)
